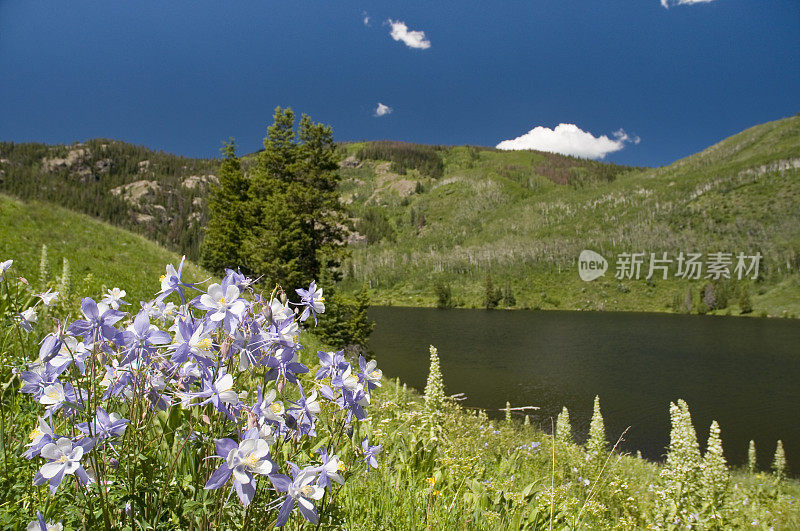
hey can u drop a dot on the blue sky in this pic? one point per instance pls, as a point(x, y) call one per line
point(182, 76)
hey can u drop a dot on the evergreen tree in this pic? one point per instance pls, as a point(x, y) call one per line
point(745, 304)
point(751, 457)
point(491, 296)
point(597, 445)
point(563, 427)
point(444, 296)
point(294, 218)
point(359, 325)
point(222, 244)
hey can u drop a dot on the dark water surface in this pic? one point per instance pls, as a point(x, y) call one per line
point(745, 373)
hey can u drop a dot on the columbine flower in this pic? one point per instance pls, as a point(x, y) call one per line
point(242, 460)
point(41, 436)
point(370, 452)
point(113, 298)
point(306, 412)
point(141, 336)
point(48, 297)
point(301, 490)
point(284, 364)
point(41, 525)
point(369, 374)
point(98, 323)
point(331, 364)
point(104, 425)
point(27, 319)
point(313, 301)
point(4, 267)
point(71, 351)
point(65, 457)
point(329, 469)
point(223, 304)
point(172, 283)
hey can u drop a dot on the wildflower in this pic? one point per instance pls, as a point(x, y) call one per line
point(563, 427)
point(236, 278)
point(171, 283)
point(192, 342)
point(48, 297)
point(57, 395)
point(306, 412)
point(41, 525)
point(140, 337)
point(104, 425)
point(284, 364)
point(434, 389)
point(27, 319)
point(597, 445)
point(71, 351)
point(779, 461)
point(40, 436)
point(114, 297)
point(98, 323)
point(223, 305)
point(751, 457)
point(370, 452)
point(64, 459)
point(37, 379)
point(313, 301)
point(369, 374)
point(331, 364)
point(301, 490)
point(4, 267)
point(329, 469)
point(714, 472)
point(242, 460)
point(431, 481)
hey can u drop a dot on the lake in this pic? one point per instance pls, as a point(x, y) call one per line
point(743, 372)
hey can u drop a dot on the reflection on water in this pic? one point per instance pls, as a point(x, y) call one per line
point(742, 372)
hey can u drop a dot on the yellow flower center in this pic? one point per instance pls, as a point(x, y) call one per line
point(53, 395)
point(342, 466)
point(35, 433)
point(62, 459)
point(275, 407)
point(251, 461)
point(221, 300)
point(204, 344)
point(161, 278)
point(308, 489)
point(321, 299)
point(375, 374)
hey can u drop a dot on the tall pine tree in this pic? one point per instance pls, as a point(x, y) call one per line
point(226, 214)
point(295, 222)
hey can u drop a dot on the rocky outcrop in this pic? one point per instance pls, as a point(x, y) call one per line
point(136, 191)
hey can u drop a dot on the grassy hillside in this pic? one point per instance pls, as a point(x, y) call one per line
point(496, 213)
point(428, 216)
point(113, 257)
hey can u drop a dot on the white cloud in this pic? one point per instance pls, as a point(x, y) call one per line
point(569, 139)
point(669, 3)
point(382, 110)
point(366, 18)
point(412, 39)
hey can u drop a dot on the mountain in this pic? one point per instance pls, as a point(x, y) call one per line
point(449, 216)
